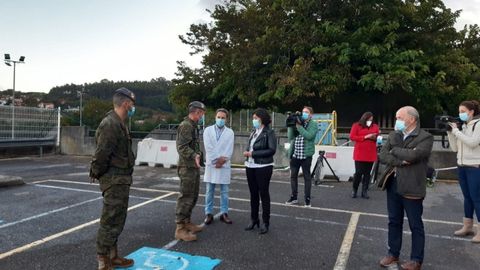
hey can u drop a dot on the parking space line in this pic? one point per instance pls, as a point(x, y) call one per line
point(277, 203)
point(85, 190)
point(344, 252)
point(47, 213)
point(79, 227)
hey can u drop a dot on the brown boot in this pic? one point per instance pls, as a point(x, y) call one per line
point(104, 262)
point(476, 239)
point(181, 233)
point(388, 261)
point(193, 228)
point(119, 261)
point(467, 228)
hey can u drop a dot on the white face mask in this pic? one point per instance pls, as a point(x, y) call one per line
point(369, 123)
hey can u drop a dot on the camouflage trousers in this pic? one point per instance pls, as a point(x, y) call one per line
point(189, 187)
point(114, 214)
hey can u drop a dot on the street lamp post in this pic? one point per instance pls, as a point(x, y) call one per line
point(8, 62)
point(81, 103)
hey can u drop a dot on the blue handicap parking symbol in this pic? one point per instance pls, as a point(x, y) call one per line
point(161, 259)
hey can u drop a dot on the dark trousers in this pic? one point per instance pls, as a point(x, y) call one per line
point(397, 205)
point(258, 183)
point(362, 174)
point(469, 179)
point(295, 165)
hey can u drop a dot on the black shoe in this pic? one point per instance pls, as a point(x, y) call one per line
point(224, 218)
point(252, 225)
point(365, 194)
point(208, 219)
point(264, 228)
point(292, 200)
point(307, 202)
point(354, 194)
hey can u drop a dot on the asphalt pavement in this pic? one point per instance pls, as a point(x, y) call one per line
point(52, 220)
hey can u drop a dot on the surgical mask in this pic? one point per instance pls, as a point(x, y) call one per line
point(305, 115)
point(369, 123)
point(400, 125)
point(201, 120)
point(131, 112)
point(256, 123)
point(463, 116)
point(220, 122)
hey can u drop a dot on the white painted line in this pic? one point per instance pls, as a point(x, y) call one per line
point(47, 213)
point(96, 184)
point(60, 234)
point(86, 190)
point(78, 174)
point(275, 203)
point(344, 253)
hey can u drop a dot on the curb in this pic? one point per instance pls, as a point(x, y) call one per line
point(8, 181)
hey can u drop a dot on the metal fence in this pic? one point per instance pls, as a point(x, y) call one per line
point(29, 123)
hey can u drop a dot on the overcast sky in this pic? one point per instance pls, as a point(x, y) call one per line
point(79, 41)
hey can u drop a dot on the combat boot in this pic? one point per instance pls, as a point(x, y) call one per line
point(181, 233)
point(119, 261)
point(192, 227)
point(467, 228)
point(104, 262)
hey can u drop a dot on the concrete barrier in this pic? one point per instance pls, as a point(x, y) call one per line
point(156, 152)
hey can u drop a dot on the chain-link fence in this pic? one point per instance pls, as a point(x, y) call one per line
point(28, 123)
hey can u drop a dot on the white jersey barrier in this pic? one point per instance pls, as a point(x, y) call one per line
point(339, 157)
point(157, 152)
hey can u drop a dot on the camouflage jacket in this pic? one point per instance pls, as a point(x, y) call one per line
point(188, 144)
point(113, 154)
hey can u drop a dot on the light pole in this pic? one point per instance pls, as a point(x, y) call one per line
point(81, 103)
point(8, 62)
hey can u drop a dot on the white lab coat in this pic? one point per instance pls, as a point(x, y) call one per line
point(215, 149)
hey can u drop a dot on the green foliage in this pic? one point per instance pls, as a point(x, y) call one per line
point(151, 94)
point(95, 110)
point(276, 53)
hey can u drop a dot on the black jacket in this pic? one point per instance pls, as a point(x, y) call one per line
point(415, 149)
point(264, 147)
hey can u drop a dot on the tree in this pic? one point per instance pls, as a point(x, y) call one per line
point(277, 53)
point(94, 111)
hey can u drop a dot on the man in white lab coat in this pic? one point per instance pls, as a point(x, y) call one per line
point(218, 141)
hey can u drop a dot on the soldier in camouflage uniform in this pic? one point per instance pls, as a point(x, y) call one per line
point(112, 165)
point(190, 160)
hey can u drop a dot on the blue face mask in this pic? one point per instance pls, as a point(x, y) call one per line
point(305, 115)
point(201, 120)
point(400, 125)
point(256, 123)
point(220, 122)
point(463, 116)
point(131, 112)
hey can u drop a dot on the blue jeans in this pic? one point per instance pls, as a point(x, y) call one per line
point(209, 198)
point(397, 205)
point(469, 179)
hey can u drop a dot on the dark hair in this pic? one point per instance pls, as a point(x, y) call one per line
point(364, 118)
point(310, 109)
point(471, 105)
point(263, 115)
point(222, 110)
point(119, 99)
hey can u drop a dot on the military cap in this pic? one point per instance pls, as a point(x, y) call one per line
point(125, 92)
point(197, 104)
